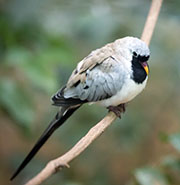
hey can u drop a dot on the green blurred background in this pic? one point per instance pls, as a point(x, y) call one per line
point(41, 42)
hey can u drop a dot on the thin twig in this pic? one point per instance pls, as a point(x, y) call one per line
point(57, 164)
point(151, 21)
point(63, 161)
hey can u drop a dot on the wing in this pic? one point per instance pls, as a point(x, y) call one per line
point(97, 77)
point(99, 83)
point(95, 58)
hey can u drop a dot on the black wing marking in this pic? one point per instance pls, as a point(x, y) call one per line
point(59, 100)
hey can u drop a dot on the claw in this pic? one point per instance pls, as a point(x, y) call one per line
point(117, 109)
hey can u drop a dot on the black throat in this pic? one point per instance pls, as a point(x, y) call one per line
point(139, 74)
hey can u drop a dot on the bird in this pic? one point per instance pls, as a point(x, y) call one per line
point(110, 76)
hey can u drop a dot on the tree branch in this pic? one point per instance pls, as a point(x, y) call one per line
point(57, 164)
point(151, 21)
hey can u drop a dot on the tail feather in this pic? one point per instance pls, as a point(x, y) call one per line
point(59, 119)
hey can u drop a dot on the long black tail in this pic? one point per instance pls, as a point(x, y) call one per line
point(59, 119)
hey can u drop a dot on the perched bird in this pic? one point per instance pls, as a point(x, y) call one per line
point(110, 76)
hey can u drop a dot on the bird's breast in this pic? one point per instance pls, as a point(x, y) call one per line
point(129, 90)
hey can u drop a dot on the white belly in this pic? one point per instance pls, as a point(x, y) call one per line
point(129, 90)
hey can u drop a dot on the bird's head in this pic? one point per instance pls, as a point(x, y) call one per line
point(140, 53)
point(135, 51)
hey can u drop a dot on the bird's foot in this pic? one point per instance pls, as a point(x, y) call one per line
point(118, 109)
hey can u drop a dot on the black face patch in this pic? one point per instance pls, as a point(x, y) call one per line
point(139, 74)
point(143, 58)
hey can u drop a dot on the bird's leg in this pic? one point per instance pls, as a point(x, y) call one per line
point(118, 109)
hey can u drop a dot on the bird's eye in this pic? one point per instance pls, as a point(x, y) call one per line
point(135, 54)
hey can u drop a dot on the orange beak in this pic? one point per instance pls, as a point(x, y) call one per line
point(146, 68)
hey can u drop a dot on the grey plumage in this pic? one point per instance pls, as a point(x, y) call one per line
point(100, 82)
point(102, 73)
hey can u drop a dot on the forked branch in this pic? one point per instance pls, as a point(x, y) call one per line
point(63, 161)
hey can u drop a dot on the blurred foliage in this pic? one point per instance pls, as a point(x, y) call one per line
point(149, 176)
point(12, 97)
point(40, 43)
point(175, 140)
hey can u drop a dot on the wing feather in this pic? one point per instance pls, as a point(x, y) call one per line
point(95, 58)
point(101, 82)
point(97, 77)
